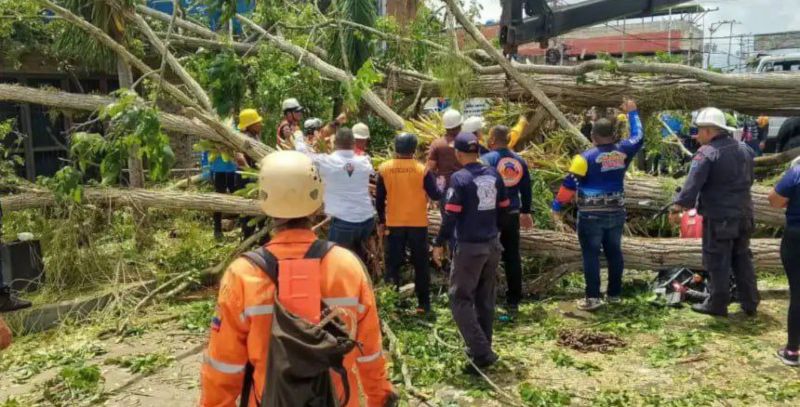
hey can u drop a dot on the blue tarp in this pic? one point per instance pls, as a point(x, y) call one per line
point(199, 10)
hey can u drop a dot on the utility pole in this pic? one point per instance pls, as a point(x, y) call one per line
point(712, 29)
point(730, 41)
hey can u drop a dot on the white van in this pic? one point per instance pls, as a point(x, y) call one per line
point(789, 63)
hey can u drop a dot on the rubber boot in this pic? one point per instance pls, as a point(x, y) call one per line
point(9, 302)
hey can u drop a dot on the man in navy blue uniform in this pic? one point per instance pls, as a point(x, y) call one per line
point(718, 185)
point(517, 179)
point(597, 176)
point(474, 203)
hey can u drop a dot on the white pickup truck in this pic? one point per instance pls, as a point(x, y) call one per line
point(789, 63)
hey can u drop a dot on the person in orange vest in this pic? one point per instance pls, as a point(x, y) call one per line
point(291, 191)
point(5, 335)
point(292, 117)
point(402, 192)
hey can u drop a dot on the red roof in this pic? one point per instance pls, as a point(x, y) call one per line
point(639, 43)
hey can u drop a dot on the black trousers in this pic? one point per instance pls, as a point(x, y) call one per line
point(224, 182)
point(726, 247)
point(512, 260)
point(416, 240)
point(790, 256)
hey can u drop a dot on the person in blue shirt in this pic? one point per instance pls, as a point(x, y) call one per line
point(517, 179)
point(787, 195)
point(476, 200)
point(597, 178)
point(225, 180)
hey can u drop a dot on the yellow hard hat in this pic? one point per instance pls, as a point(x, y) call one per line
point(247, 118)
point(290, 186)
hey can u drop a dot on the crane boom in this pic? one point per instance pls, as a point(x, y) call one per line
point(544, 22)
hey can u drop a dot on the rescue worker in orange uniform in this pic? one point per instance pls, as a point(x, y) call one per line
point(291, 191)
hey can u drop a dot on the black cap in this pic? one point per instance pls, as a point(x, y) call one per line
point(467, 143)
point(405, 144)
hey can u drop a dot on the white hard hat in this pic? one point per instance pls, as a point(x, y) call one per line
point(712, 117)
point(290, 186)
point(472, 124)
point(291, 104)
point(452, 119)
point(361, 131)
point(312, 124)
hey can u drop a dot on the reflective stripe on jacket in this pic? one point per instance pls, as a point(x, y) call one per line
point(240, 330)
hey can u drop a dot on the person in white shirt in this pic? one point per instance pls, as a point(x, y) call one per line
point(347, 199)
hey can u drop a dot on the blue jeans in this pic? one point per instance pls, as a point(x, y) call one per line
point(351, 235)
point(596, 231)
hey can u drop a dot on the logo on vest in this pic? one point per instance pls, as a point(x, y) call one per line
point(487, 192)
point(510, 170)
point(611, 161)
point(349, 168)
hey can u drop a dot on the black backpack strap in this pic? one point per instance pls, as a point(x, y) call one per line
point(248, 386)
point(319, 249)
point(265, 261)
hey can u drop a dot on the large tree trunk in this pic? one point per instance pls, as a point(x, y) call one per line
point(653, 93)
point(640, 253)
point(645, 195)
point(169, 200)
point(169, 122)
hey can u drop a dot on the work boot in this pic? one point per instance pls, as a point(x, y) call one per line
point(9, 302)
point(480, 363)
point(704, 309)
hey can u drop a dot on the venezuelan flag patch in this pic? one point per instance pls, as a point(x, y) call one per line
point(216, 324)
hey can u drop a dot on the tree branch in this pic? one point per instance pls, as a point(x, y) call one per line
point(170, 122)
point(328, 70)
point(182, 23)
point(187, 79)
point(109, 42)
point(526, 82)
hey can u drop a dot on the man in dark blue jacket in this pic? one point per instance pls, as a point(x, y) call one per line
point(517, 179)
point(718, 185)
point(473, 206)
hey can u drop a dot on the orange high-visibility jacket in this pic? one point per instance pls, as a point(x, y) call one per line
point(240, 332)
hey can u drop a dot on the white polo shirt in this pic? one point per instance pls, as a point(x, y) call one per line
point(346, 178)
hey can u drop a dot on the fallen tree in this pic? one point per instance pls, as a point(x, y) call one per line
point(169, 122)
point(653, 93)
point(650, 194)
point(640, 253)
point(169, 200)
